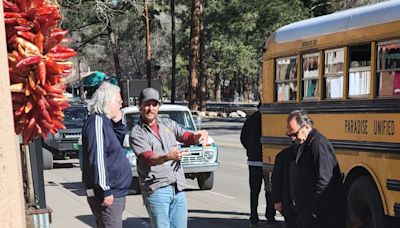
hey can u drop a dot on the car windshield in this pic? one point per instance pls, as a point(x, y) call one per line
point(75, 115)
point(183, 118)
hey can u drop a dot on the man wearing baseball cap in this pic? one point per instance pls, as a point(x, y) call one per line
point(161, 177)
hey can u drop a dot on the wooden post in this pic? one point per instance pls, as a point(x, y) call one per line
point(12, 212)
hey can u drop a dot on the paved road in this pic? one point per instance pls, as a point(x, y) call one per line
point(226, 205)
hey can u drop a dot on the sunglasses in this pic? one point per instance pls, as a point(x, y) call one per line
point(294, 135)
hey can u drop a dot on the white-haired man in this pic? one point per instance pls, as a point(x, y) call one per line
point(106, 171)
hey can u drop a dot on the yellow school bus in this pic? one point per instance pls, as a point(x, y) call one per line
point(344, 70)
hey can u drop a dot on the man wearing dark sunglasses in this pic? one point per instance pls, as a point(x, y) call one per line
point(319, 196)
point(294, 136)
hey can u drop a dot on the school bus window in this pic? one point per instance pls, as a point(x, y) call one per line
point(310, 75)
point(334, 63)
point(388, 69)
point(360, 70)
point(286, 79)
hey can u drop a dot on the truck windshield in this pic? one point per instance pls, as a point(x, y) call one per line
point(75, 115)
point(183, 118)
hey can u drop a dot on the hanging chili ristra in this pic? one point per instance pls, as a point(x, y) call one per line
point(37, 64)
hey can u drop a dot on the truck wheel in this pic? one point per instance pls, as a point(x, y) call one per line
point(135, 187)
point(364, 205)
point(206, 180)
point(47, 159)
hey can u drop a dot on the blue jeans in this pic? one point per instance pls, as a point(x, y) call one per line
point(167, 208)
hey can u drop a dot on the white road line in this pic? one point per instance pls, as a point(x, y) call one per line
point(222, 195)
point(214, 193)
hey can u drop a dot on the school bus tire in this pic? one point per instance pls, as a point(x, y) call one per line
point(364, 205)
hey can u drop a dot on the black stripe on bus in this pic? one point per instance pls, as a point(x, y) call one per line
point(342, 144)
point(393, 185)
point(396, 210)
point(347, 106)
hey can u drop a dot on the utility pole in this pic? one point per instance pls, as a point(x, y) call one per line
point(173, 52)
point(148, 46)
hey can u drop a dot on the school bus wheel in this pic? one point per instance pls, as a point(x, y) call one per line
point(364, 205)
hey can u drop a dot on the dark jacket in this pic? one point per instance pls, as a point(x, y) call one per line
point(250, 137)
point(283, 178)
point(319, 188)
point(106, 169)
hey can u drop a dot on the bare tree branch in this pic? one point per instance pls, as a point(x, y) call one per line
point(83, 44)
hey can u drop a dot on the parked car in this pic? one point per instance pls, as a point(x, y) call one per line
point(64, 144)
point(200, 163)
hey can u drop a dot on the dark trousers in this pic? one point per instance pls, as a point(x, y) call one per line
point(325, 219)
point(306, 220)
point(107, 217)
point(290, 219)
point(256, 176)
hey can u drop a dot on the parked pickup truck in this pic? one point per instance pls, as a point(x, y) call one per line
point(200, 163)
point(64, 144)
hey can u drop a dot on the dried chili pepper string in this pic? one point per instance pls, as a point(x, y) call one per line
point(37, 66)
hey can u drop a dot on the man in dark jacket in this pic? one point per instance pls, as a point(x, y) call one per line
point(250, 138)
point(319, 197)
point(106, 171)
point(283, 181)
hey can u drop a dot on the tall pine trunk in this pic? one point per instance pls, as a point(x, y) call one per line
point(114, 50)
point(117, 65)
point(203, 66)
point(194, 52)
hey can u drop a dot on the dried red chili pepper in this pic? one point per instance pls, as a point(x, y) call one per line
point(29, 61)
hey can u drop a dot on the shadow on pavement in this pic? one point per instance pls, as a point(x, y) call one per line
point(199, 222)
point(75, 187)
point(218, 212)
point(88, 219)
point(63, 165)
point(193, 222)
point(222, 127)
point(136, 222)
point(127, 223)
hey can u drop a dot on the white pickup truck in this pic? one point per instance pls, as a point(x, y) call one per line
point(200, 163)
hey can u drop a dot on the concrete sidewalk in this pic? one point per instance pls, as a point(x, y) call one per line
point(65, 194)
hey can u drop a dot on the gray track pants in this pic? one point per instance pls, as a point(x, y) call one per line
point(107, 217)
